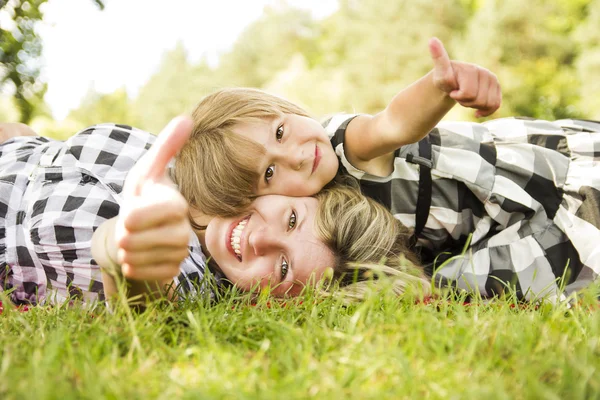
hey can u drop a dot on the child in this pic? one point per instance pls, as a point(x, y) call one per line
point(75, 215)
point(254, 143)
point(519, 196)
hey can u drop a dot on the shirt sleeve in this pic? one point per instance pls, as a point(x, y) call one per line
point(336, 125)
point(193, 280)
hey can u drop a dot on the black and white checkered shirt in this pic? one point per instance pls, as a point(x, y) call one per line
point(528, 191)
point(53, 196)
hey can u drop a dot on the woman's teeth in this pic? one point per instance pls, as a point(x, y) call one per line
point(235, 237)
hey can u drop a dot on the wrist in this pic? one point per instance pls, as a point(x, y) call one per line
point(104, 249)
point(112, 266)
point(441, 87)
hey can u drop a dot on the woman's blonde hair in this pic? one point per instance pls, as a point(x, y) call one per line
point(217, 170)
point(370, 246)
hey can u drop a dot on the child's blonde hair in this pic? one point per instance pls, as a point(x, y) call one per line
point(217, 170)
point(368, 243)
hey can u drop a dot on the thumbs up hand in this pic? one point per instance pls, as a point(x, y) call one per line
point(469, 84)
point(152, 231)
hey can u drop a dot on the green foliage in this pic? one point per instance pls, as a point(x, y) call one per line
point(360, 56)
point(547, 59)
point(386, 50)
point(587, 35)
point(173, 90)
point(8, 111)
point(266, 46)
point(97, 108)
point(534, 57)
point(20, 51)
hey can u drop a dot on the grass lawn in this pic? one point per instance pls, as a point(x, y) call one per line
point(378, 349)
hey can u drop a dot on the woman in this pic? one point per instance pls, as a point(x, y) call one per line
point(103, 190)
point(523, 193)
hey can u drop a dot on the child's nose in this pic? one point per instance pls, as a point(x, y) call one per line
point(291, 156)
point(296, 159)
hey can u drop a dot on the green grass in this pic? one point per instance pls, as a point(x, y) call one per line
point(378, 349)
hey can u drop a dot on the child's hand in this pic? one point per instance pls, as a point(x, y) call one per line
point(152, 231)
point(469, 84)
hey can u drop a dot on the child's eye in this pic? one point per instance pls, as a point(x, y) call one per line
point(279, 133)
point(269, 173)
point(292, 221)
point(284, 269)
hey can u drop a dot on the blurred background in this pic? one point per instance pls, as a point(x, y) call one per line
point(68, 64)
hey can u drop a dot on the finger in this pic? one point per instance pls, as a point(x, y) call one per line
point(443, 72)
point(499, 97)
point(468, 83)
point(481, 100)
point(168, 143)
point(156, 272)
point(177, 234)
point(159, 255)
point(439, 56)
point(496, 94)
point(494, 98)
point(146, 212)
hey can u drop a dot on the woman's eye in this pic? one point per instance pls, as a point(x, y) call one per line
point(284, 269)
point(279, 133)
point(292, 221)
point(269, 173)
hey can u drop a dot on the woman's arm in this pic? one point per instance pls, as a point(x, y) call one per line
point(416, 110)
point(9, 130)
point(104, 251)
point(146, 243)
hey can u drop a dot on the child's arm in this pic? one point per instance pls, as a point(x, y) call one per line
point(149, 239)
point(416, 110)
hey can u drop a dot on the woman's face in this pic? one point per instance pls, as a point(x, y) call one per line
point(275, 244)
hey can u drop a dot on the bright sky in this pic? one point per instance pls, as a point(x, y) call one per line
point(123, 44)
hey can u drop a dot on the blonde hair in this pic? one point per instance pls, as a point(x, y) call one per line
point(368, 243)
point(217, 170)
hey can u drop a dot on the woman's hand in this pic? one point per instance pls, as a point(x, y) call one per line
point(152, 231)
point(469, 84)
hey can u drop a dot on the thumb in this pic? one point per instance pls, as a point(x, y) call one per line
point(439, 56)
point(443, 73)
point(171, 139)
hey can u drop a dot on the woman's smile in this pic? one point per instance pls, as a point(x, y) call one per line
point(234, 240)
point(276, 243)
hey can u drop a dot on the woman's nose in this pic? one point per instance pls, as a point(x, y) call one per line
point(263, 240)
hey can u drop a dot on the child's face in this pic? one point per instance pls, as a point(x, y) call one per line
point(299, 159)
point(276, 245)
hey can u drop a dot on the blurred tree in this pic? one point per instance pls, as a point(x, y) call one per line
point(533, 56)
point(587, 36)
point(360, 56)
point(97, 108)
point(20, 50)
point(8, 111)
point(268, 44)
point(373, 49)
point(174, 89)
